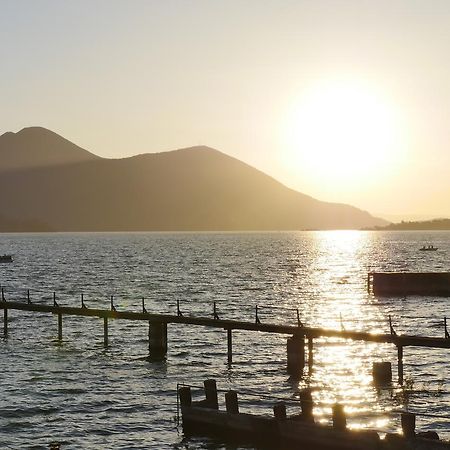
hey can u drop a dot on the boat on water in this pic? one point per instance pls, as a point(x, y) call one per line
point(428, 248)
point(5, 258)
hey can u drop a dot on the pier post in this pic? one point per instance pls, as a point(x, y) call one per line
point(296, 354)
point(400, 364)
point(408, 421)
point(5, 322)
point(230, 346)
point(59, 327)
point(157, 340)
point(185, 396)
point(339, 419)
point(306, 403)
point(211, 394)
point(231, 402)
point(105, 331)
point(279, 410)
point(382, 373)
point(310, 353)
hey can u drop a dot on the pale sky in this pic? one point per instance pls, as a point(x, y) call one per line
point(346, 101)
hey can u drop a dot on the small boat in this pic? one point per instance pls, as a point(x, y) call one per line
point(428, 248)
point(5, 258)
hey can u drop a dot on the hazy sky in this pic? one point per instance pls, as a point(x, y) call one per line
point(347, 101)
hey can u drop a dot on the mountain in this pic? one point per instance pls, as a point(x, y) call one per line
point(38, 147)
point(47, 179)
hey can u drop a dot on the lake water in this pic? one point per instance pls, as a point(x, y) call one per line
point(87, 397)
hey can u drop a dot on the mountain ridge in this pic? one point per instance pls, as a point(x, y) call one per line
point(189, 189)
point(38, 147)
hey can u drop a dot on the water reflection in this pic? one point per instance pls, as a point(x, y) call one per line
point(323, 274)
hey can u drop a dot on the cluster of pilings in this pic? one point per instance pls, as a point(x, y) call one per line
point(204, 416)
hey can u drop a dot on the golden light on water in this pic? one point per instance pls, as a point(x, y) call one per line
point(342, 368)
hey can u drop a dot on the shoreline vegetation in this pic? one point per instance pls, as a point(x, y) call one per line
point(423, 225)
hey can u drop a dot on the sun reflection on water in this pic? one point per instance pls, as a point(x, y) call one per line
point(342, 368)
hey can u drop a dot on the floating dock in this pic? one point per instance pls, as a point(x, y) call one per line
point(409, 283)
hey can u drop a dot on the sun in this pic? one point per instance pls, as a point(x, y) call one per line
point(343, 131)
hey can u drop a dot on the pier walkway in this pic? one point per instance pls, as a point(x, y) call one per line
point(158, 330)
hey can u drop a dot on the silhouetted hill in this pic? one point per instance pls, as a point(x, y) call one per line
point(435, 224)
point(196, 188)
point(21, 225)
point(38, 147)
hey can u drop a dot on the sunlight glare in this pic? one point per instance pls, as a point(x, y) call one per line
point(343, 132)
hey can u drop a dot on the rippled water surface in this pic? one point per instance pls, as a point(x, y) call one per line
point(78, 393)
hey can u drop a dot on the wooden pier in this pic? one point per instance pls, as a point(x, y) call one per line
point(158, 330)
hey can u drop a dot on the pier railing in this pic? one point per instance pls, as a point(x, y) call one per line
point(158, 323)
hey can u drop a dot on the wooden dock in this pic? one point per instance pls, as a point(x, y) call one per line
point(158, 330)
point(294, 431)
point(409, 283)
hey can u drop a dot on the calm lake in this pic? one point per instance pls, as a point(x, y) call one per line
point(87, 397)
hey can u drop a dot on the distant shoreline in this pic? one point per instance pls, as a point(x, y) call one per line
point(425, 225)
point(388, 228)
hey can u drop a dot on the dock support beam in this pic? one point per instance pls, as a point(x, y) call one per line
point(230, 346)
point(5, 322)
point(185, 396)
point(59, 327)
point(400, 364)
point(105, 332)
point(408, 421)
point(211, 394)
point(310, 353)
point(295, 355)
point(382, 373)
point(157, 340)
point(306, 403)
point(339, 419)
point(231, 402)
point(279, 411)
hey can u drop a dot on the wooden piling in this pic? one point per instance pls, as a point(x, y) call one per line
point(231, 402)
point(306, 403)
point(211, 394)
point(296, 355)
point(279, 411)
point(408, 421)
point(310, 353)
point(5, 322)
point(339, 419)
point(400, 364)
point(230, 345)
point(59, 327)
point(105, 332)
point(382, 373)
point(157, 342)
point(185, 396)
